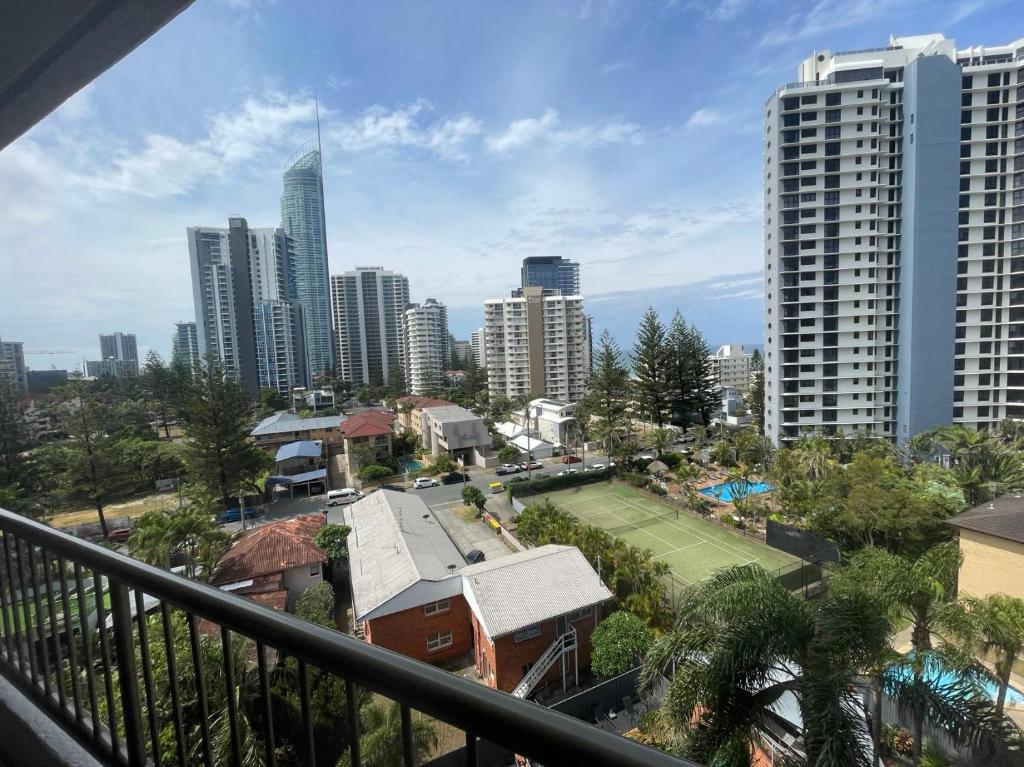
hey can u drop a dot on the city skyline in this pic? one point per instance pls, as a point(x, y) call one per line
point(602, 144)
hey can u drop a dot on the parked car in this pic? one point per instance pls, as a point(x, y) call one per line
point(422, 482)
point(564, 472)
point(571, 459)
point(234, 515)
point(527, 465)
point(596, 467)
point(454, 478)
point(495, 487)
point(475, 556)
point(396, 488)
point(507, 468)
point(645, 457)
point(120, 535)
point(514, 480)
point(343, 497)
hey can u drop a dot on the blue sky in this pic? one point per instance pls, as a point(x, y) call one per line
point(459, 137)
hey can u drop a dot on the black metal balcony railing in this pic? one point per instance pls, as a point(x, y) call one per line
point(85, 658)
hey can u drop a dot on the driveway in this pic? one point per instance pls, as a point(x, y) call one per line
point(469, 535)
point(285, 508)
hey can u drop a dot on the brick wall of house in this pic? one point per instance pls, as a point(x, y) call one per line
point(406, 632)
point(501, 662)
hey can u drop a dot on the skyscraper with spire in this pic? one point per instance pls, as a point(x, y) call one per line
point(302, 218)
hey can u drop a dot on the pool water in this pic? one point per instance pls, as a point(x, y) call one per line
point(725, 491)
point(945, 676)
point(412, 465)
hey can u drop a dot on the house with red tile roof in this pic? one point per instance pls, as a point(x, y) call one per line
point(372, 428)
point(411, 420)
point(275, 563)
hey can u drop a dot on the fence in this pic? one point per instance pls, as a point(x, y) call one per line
point(807, 577)
point(809, 546)
point(99, 683)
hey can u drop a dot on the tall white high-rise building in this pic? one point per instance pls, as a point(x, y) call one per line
point(119, 346)
point(185, 344)
point(537, 345)
point(894, 209)
point(368, 308)
point(732, 366)
point(426, 346)
point(478, 343)
point(246, 312)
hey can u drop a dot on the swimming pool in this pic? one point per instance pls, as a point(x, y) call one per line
point(943, 677)
point(412, 465)
point(725, 491)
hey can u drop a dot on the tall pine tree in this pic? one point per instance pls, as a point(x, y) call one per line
point(705, 394)
point(679, 394)
point(755, 395)
point(158, 385)
point(608, 391)
point(221, 456)
point(650, 368)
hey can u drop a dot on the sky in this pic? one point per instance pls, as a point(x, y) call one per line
point(458, 138)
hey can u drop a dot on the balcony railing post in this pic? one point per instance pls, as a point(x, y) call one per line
point(127, 675)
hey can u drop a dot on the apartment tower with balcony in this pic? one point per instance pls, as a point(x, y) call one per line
point(426, 346)
point(893, 178)
point(537, 345)
point(368, 306)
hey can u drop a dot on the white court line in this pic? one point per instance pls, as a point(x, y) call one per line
point(724, 547)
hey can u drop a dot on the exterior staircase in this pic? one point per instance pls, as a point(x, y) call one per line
point(563, 644)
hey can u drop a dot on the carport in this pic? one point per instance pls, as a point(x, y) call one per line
point(306, 480)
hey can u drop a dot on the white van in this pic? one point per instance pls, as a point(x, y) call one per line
point(343, 497)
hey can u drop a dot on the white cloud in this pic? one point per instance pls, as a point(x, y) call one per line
point(826, 16)
point(704, 118)
point(379, 127)
point(727, 10)
point(970, 7)
point(611, 67)
point(546, 129)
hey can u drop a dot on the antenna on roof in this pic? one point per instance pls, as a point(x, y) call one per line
point(316, 106)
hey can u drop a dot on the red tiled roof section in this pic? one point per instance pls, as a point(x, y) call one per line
point(368, 424)
point(424, 402)
point(273, 548)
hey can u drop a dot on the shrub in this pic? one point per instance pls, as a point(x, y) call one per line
point(474, 496)
point(550, 484)
point(636, 479)
point(619, 642)
point(672, 460)
point(316, 605)
point(508, 453)
point(658, 489)
point(374, 471)
point(332, 540)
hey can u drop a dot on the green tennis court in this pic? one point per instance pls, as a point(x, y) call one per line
point(694, 548)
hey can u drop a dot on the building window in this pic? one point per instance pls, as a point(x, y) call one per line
point(527, 633)
point(438, 607)
point(314, 570)
point(439, 641)
point(578, 615)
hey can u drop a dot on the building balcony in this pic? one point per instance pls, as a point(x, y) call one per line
point(76, 657)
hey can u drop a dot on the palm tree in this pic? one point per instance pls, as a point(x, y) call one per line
point(741, 642)
point(921, 591)
point(814, 456)
point(662, 439)
point(381, 742)
point(990, 627)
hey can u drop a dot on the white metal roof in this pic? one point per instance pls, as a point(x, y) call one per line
point(531, 586)
point(395, 543)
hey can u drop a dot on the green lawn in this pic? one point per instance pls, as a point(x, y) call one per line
point(693, 547)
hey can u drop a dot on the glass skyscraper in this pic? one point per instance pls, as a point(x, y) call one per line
point(302, 218)
point(551, 273)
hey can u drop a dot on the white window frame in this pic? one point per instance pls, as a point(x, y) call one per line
point(436, 608)
point(530, 632)
point(439, 641)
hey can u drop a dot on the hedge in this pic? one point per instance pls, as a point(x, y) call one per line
point(552, 483)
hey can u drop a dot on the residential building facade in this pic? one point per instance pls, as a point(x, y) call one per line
point(185, 344)
point(551, 273)
point(303, 220)
point(110, 368)
point(281, 428)
point(894, 209)
point(120, 346)
point(537, 345)
point(12, 365)
point(247, 313)
point(459, 432)
point(991, 540)
point(426, 346)
point(732, 366)
point(368, 307)
point(478, 344)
